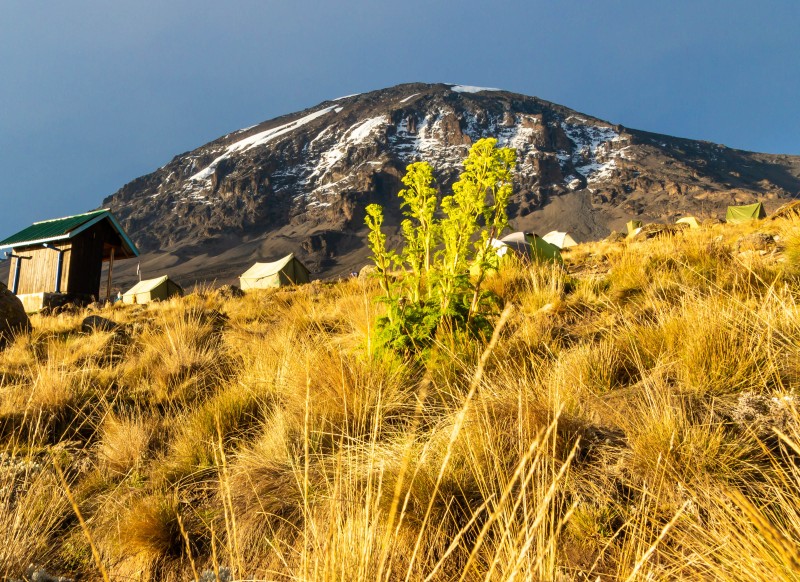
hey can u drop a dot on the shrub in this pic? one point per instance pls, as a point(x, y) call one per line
point(442, 288)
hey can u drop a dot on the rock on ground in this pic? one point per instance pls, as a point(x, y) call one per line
point(13, 319)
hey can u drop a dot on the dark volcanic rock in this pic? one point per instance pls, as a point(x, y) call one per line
point(95, 323)
point(231, 292)
point(13, 318)
point(299, 183)
point(649, 231)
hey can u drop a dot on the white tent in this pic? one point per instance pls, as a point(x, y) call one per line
point(287, 271)
point(500, 246)
point(562, 240)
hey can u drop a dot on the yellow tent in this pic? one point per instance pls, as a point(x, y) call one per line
point(287, 271)
point(149, 290)
point(633, 225)
point(690, 220)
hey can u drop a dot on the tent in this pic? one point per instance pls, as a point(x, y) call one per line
point(524, 245)
point(633, 225)
point(560, 239)
point(739, 214)
point(635, 232)
point(152, 290)
point(690, 220)
point(532, 246)
point(501, 248)
point(287, 271)
point(501, 251)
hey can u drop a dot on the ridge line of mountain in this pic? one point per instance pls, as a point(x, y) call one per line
point(299, 182)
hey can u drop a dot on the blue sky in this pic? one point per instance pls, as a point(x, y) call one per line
point(94, 93)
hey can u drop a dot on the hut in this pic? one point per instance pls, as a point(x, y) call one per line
point(562, 240)
point(158, 289)
point(64, 257)
point(286, 271)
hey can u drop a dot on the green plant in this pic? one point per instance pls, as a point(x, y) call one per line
point(436, 280)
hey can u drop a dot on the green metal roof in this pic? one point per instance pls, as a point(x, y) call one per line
point(64, 228)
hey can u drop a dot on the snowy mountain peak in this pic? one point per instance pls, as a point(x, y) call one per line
point(300, 182)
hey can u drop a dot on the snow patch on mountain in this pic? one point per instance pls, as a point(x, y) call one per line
point(361, 131)
point(471, 89)
point(258, 139)
point(593, 155)
point(351, 138)
point(519, 136)
point(426, 142)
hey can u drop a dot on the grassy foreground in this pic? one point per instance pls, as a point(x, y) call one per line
point(633, 418)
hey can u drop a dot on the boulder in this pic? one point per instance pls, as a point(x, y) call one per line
point(649, 231)
point(762, 414)
point(13, 318)
point(615, 237)
point(756, 241)
point(231, 292)
point(366, 272)
point(97, 323)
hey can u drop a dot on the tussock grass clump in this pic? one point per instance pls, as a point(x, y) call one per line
point(33, 514)
point(633, 416)
point(125, 442)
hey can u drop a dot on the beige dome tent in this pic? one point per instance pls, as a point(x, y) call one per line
point(149, 290)
point(562, 240)
point(287, 271)
point(690, 220)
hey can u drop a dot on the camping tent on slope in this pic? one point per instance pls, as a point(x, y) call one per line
point(532, 246)
point(562, 240)
point(286, 271)
point(739, 214)
point(501, 253)
point(632, 225)
point(158, 289)
point(690, 220)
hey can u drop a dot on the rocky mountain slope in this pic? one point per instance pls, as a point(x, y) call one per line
point(299, 183)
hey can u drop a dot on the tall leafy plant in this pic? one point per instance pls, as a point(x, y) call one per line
point(437, 277)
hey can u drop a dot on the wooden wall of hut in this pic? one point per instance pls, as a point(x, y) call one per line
point(38, 274)
point(86, 267)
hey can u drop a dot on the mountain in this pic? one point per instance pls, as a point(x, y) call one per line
point(299, 183)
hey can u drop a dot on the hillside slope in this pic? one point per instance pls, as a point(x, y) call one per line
point(637, 418)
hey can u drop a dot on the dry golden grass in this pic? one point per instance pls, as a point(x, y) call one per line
point(124, 442)
point(635, 418)
point(33, 510)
